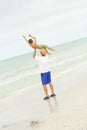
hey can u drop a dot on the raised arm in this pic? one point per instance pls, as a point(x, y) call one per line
point(25, 38)
point(33, 37)
point(34, 54)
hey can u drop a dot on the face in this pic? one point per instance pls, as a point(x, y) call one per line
point(41, 53)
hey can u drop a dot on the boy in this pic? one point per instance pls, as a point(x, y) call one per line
point(33, 43)
point(45, 72)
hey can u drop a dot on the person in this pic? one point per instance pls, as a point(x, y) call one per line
point(33, 43)
point(43, 62)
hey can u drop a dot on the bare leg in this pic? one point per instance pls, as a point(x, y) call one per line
point(47, 52)
point(45, 90)
point(51, 87)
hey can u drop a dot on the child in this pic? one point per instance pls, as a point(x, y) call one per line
point(33, 43)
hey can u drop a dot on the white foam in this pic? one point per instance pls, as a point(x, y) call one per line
point(66, 60)
point(71, 69)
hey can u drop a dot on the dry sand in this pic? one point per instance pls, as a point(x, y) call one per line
point(26, 110)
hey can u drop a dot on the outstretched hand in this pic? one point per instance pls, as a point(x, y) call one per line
point(30, 35)
point(23, 36)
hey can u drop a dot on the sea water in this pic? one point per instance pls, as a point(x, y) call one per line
point(23, 71)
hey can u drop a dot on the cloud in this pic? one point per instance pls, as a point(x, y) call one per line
point(42, 18)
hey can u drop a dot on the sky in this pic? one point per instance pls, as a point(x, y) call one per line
point(52, 22)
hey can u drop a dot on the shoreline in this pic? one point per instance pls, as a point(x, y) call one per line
point(67, 111)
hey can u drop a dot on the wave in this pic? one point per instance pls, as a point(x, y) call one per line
point(71, 69)
point(17, 76)
point(33, 70)
point(54, 64)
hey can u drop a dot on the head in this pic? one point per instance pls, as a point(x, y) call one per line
point(30, 41)
point(43, 52)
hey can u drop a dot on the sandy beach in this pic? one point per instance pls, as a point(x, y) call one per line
point(26, 110)
point(60, 28)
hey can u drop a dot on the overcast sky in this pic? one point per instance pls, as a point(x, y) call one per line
point(52, 21)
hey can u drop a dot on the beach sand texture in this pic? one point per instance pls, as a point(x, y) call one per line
point(24, 108)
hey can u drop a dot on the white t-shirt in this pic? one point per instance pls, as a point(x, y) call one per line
point(43, 63)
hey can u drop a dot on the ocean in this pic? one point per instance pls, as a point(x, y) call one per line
point(22, 72)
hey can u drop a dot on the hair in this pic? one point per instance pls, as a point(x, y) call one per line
point(30, 41)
